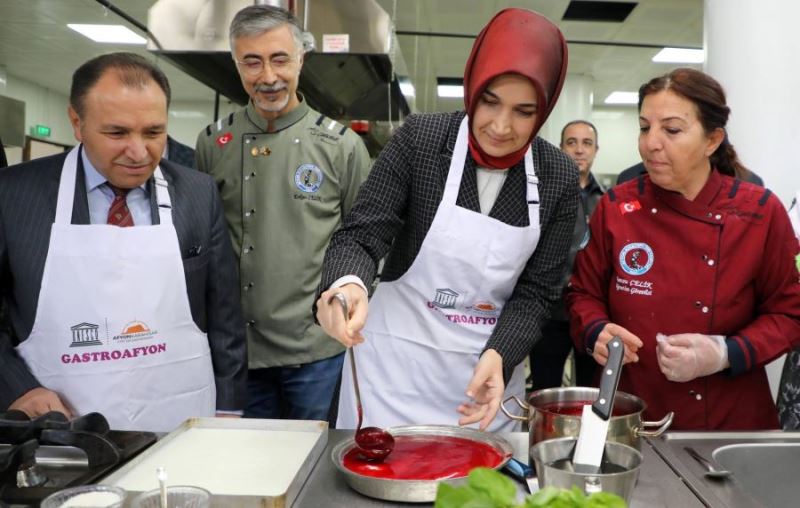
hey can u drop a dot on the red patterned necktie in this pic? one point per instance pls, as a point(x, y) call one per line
point(119, 214)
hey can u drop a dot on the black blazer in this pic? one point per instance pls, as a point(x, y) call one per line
point(28, 194)
point(396, 205)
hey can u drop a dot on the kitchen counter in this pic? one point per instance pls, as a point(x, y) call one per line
point(658, 485)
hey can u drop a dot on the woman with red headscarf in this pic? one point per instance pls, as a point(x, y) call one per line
point(474, 215)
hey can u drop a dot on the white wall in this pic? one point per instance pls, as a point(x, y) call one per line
point(43, 107)
point(618, 135)
point(188, 118)
point(46, 107)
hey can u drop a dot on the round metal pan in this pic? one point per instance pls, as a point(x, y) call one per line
point(414, 491)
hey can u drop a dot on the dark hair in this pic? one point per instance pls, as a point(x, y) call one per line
point(133, 71)
point(584, 122)
point(709, 98)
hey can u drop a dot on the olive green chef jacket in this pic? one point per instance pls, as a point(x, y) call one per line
point(285, 192)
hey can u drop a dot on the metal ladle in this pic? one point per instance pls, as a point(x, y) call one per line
point(374, 443)
point(710, 470)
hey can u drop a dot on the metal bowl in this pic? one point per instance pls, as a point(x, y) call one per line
point(414, 491)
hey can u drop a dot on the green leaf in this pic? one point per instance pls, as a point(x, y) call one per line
point(448, 496)
point(497, 487)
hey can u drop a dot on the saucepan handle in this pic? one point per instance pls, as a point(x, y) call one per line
point(663, 424)
point(522, 405)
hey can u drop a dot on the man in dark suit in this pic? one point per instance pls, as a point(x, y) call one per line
point(142, 324)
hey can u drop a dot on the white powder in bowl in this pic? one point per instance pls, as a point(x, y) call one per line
point(92, 499)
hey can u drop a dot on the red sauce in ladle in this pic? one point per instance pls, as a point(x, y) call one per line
point(373, 443)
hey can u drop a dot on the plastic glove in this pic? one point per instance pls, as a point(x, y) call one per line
point(687, 356)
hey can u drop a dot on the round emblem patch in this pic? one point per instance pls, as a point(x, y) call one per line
point(636, 258)
point(308, 178)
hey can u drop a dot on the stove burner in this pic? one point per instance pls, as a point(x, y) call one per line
point(50, 453)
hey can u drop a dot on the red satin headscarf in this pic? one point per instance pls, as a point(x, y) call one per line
point(521, 42)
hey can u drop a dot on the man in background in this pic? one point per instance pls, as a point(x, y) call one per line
point(287, 176)
point(141, 324)
point(579, 141)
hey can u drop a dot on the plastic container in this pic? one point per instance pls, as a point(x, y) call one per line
point(178, 496)
point(94, 496)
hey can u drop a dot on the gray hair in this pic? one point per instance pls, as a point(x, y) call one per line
point(258, 19)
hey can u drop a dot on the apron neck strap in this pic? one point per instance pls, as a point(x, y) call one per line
point(66, 190)
point(162, 197)
point(66, 186)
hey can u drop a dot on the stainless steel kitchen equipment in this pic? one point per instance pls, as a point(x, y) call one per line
point(244, 463)
point(547, 456)
point(544, 422)
point(50, 453)
point(357, 80)
point(413, 491)
point(763, 466)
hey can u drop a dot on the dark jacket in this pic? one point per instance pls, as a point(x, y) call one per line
point(588, 198)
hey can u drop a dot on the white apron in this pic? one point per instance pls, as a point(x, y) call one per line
point(113, 330)
point(425, 331)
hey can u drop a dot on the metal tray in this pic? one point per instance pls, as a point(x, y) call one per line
point(732, 492)
point(294, 445)
point(414, 491)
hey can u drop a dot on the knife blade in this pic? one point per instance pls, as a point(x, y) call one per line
point(594, 419)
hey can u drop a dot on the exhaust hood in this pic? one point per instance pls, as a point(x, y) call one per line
point(351, 80)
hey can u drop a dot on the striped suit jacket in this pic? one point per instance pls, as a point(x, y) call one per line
point(28, 194)
point(396, 205)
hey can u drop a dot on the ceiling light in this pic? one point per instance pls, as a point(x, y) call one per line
point(450, 88)
point(622, 98)
point(450, 91)
point(108, 33)
point(680, 55)
point(407, 89)
point(186, 114)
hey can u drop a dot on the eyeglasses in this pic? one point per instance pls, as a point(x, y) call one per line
point(255, 66)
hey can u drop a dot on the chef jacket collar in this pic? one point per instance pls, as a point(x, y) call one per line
point(701, 207)
point(282, 121)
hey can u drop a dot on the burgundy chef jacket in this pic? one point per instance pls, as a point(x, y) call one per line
point(722, 264)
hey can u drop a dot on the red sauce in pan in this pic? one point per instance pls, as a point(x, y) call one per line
point(572, 408)
point(426, 458)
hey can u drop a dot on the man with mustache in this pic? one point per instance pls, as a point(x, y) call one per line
point(117, 269)
point(287, 176)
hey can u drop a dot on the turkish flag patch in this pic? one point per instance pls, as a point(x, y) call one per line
point(629, 206)
point(223, 140)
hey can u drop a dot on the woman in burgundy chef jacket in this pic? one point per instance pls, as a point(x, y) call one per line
point(692, 267)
